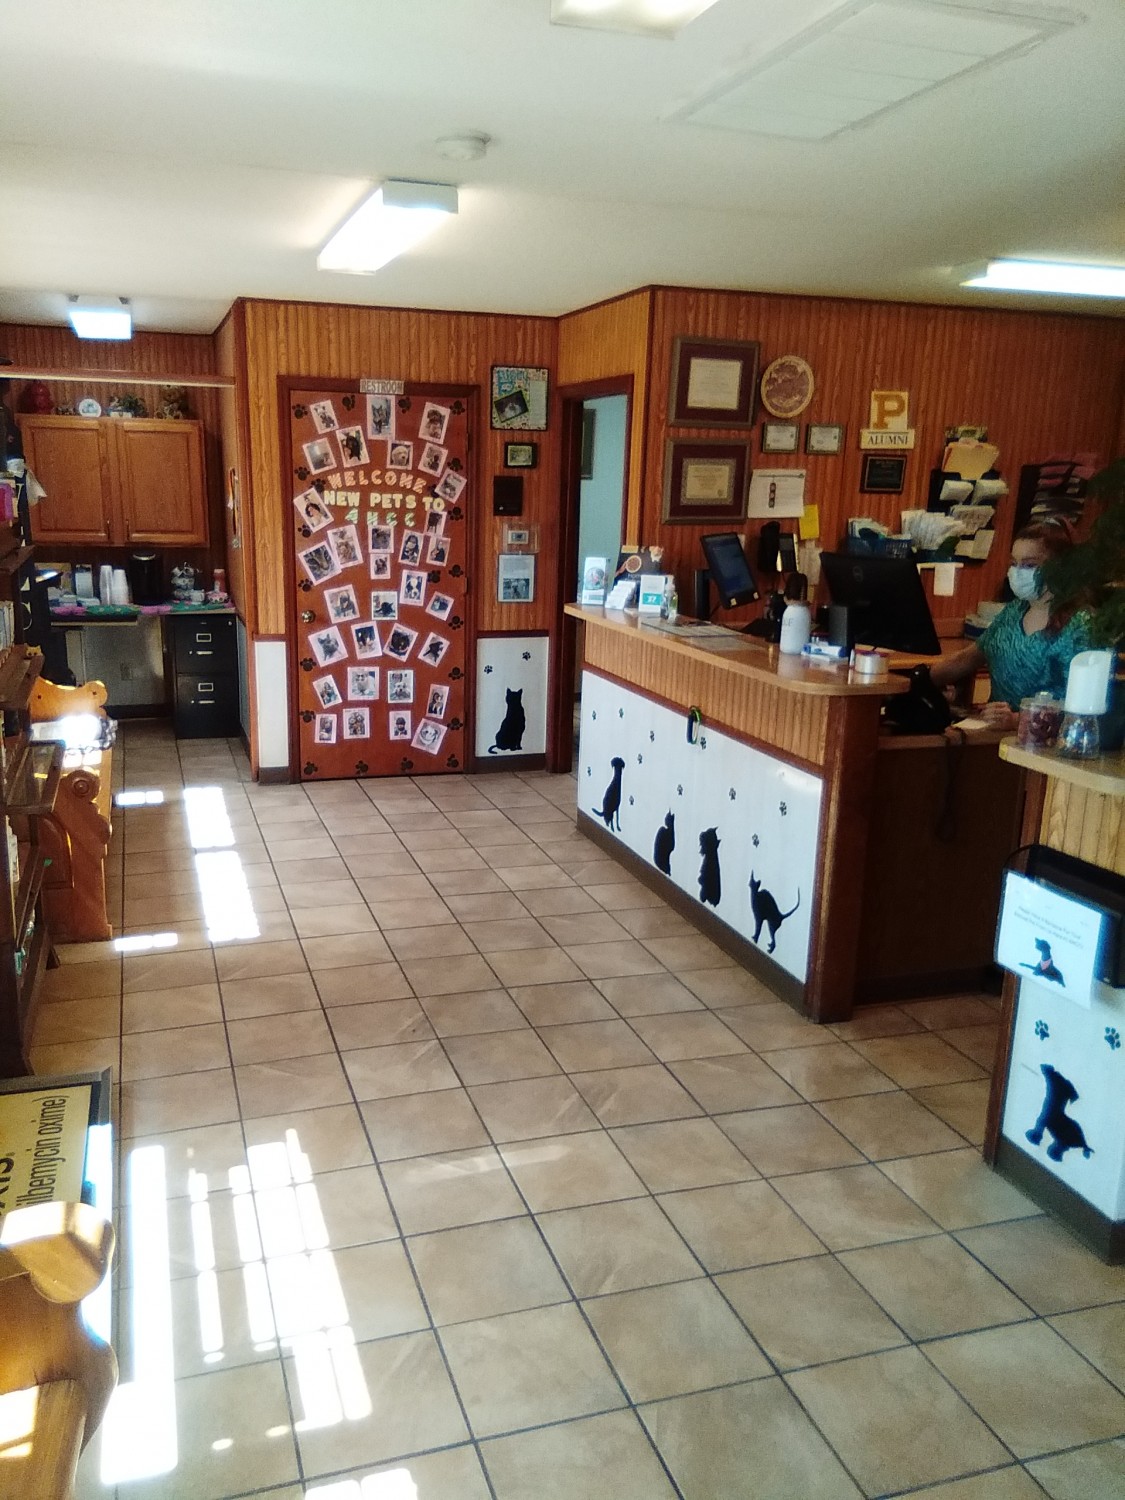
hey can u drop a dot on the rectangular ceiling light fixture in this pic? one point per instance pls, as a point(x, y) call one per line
point(868, 57)
point(642, 17)
point(1062, 278)
point(100, 317)
point(395, 218)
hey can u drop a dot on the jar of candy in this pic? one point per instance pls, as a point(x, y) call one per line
point(1040, 719)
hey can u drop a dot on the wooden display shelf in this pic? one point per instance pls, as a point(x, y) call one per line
point(1104, 774)
point(32, 781)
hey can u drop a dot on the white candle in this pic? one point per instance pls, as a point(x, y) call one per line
point(1087, 683)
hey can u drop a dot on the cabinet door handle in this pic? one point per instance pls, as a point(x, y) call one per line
point(205, 687)
point(203, 635)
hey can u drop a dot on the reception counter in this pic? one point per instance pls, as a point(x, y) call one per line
point(757, 794)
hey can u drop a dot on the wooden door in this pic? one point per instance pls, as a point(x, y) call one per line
point(159, 481)
point(67, 456)
point(382, 498)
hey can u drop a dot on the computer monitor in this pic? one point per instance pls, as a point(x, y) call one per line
point(730, 572)
point(885, 599)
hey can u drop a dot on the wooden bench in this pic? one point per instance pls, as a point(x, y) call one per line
point(75, 837)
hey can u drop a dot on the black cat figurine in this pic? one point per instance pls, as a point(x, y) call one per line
point(766, 911)
point(664, 844)
point(510, 734)
point(710, 880)
point(610, 810)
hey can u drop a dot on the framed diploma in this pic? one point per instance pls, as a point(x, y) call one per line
point(713, 382)
point(705, 481)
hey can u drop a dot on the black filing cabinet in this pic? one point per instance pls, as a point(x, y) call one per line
point(205, 673)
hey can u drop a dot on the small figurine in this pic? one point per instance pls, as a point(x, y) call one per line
point(173, 403)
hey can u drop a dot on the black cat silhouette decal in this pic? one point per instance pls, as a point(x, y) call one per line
point(766, 911)
point(1066, 1133)
point(610, 810)
point(1045, 968)
point(664, 844)
point(710, 880)
point(510, 734)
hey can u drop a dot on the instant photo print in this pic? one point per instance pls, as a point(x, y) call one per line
point(410, 553)
point(353, 450)
point(319, 562)
point(433, 459)
point(380, 417)
point(367, 644)
point(440, 606)
point(428, 736)
point(380, 537)
point(435, 419)
point(328, 646)
point(400, 641)
point(398, 726)
point(342, 604)
point(384, 604)
point(312, 510)
point(363, 685)
point(412, 588)
point(325, 730)
point(319, 455)
point(357, 723)
point(400, 686)
point(323, 415)
point(381, 566)
point(327, 693)
point(437, 703)
point(434, 649)
point(344, 541)
point(400, 455)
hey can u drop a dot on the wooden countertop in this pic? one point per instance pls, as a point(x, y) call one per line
point(749, 658)
point(1104, 774)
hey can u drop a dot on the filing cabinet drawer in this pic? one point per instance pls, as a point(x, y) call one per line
point(206, 706)
point(205, 645)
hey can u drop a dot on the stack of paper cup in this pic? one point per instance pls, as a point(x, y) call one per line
point(105, 584)
point(120, 587)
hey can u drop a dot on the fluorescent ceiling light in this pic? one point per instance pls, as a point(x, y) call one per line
point(648, 17)
point(394, 219)
point(1060, 277)
point(100, 317)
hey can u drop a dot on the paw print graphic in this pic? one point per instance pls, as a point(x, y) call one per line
point(307, 664)
point(488, 671)
point(640, 760)
point(302, 473)
point(305, 531)
point(456, 571)
point(527, 656)
point(733, 795)
point(1113, 1038)
point(300, 411)
point(620, 713)
point(679, 791)
point(1042, 1030)
point(594, 715)
point(452, 762)
point(457, 408)
point(305, 586)
point(348, 403)
point(405, 764)
point(456, 674)
point(703, 742)
point(755, 840)
point(630, 801)
point(588, 771)
point(455, 513)
point(783, 809)
point(652, 736)
point(455, 464)
point(404, 403)
point(455, 622)
point(309, 768)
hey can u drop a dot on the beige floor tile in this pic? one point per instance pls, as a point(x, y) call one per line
point(482, 1270)
point(298, 1083)
point(747, 1442)
point(1099, 1334)
point(235, 1434)
point(376, 1286)
point(585, 927)
point(598, 1458)
point(773, 1026)
point(590, 1045)
point(423, 942)
point(726, 987)
point(853, 1206)
point(831, 1072)
point(413, 1407)
point(616, 1247)
point(932, 1287)
point(209, 1149)
point(327, 921)
point(889, 1125)
point(187, 1222)
point(635, 1096)
point(153, 1105)
point(450, 1474)
point(267, 1038)
point(491, 907)
point(379, 1025)
point(559, 901)
point(808, 1312)
point(532, 966)
point(1044, 1265)
point(918, 1061)
point(526, 1368)
point(421, 1124)
point(649, 995)
point(681, 1035)
point(964, 1106)
point(894, 1421)
point(499, 1057)
point(875, 1020)
point(449, 859)
point(369, 866)
point(567, 1170)
point(162, 1010)
point(303, 893)
point(531, 1107)
point(161, 971)
point(196, 1348)
point(793, 1138)
point(77, 1057)
point(451, 1188)
point(977, 1042)
point(345, 951)
point(450, 976)
point(275, 995)
point(562, 1004)
point(654, 922)
point(682, 1154)
point(1096, 1473)
point(958, 1190)
point(361, 985)
point(331, 1138)
point(402, 1068)
point(423, 909)
point(739, 1224)
point(613, 960)
point(956, 1010)
point(688, 951)
point(189, 1049)
point(285, 850)
point(467, 882)
point(1010, 1483)
point(1014, 1377)
point(259, 960)
point(311, 872)
point(739, 1081)
point(78, 1020)
point(466, 1015)
point(512, 936)
point(617, 894)
point(669, 1340)
point(340, 1208)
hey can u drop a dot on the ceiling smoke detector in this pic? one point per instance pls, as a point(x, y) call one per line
point(469, 147)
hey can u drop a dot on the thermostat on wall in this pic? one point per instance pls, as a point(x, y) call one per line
point(507, 495)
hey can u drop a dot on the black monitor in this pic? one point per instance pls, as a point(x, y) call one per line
point(730, 572)
point(886, 602)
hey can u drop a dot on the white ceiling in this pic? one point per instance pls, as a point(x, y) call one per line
point(186, 155)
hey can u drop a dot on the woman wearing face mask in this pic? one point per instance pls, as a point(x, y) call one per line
point(1029, 646)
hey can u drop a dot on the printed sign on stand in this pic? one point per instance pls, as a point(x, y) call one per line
point(1048, 936)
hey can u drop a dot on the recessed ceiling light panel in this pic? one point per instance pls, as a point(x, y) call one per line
point(1060, 278)
point(395, 218)
point(644, 17)
point(100, 317)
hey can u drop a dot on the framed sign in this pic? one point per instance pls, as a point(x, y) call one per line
point(521, 455)
point(713, 382)
point(780, 437)
point(824, 437)
point(883, 474)
point(705, 481)
point(518, 398)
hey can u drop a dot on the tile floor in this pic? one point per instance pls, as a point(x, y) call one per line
point(460, 1166)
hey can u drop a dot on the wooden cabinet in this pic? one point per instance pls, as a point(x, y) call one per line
point(117, 480)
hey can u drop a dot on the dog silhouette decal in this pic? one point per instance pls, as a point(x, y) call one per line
point(1066, 1133)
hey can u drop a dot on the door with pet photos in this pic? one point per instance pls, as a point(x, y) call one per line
point(381, 500)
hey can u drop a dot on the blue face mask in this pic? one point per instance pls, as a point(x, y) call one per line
point(1024, 583)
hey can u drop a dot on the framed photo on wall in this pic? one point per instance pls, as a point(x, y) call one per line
point(824, 437)
point(883, 473)
point(705, 480)
point(780, 437)
point(518, 398)
point(713, 382)
point(521, 455)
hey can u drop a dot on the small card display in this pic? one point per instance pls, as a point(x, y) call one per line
point(353, 450)
point(319, 455)
point(435, 419)
point(398, 726)
point(380, 417)
point(434, 649)
point(410, 553)
point(433, 459)
point(428, 736)
point(437, 703)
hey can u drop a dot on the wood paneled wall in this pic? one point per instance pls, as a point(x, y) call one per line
point(1042, 383)
point(230, 358)
point(315, 340)
point(613, 338)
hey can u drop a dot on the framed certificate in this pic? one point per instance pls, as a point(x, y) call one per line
point(705, 481)
point(824, 437)
point(780, 437)
point(713, 382)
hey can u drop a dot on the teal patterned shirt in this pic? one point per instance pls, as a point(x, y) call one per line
point(1021, 665)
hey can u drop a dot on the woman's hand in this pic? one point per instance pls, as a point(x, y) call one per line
point(999, 716)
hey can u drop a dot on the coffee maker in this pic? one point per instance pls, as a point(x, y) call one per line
point(146, 578)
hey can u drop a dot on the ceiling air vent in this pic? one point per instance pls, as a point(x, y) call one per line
point(869, 57)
